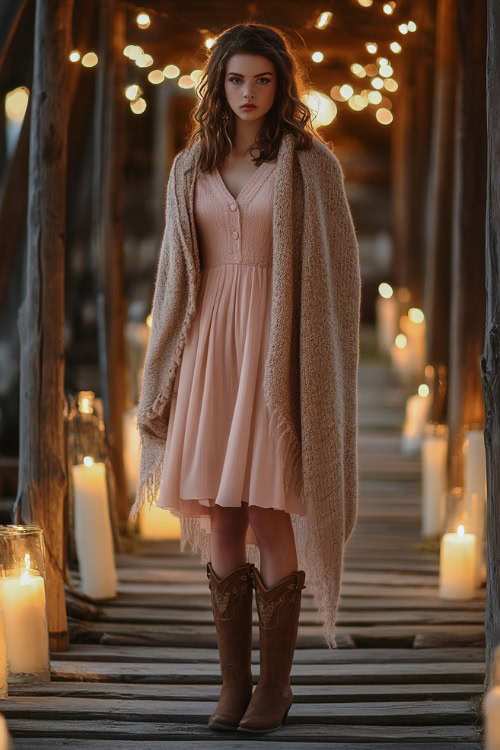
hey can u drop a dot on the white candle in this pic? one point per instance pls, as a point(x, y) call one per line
point(474, 505)
point(131, 451)
point(5, 740)
point(475, 462)
point(387, 316)
point(25, 614)
point(158, 523)
point(417, 409)
point(491, 713)
point(457, 565)
point(401, 359)
point(93, 534)
point(3, 658)
point(433, 465)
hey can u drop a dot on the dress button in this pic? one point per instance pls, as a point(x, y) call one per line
point(233, 206)
point(236, 235)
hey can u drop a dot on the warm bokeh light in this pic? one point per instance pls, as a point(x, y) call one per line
point(386, 102)
point(156, 76)
point(385, 71)
point(412, 26)
point(395, 47)
point(371, 47)
point(323, 19)
point(89, 59)
point(346, 91)
point(357, 102)
point(390, 84)
point(196, 74)
point(88, 460)
point(209, 42)
point(388, 8)
point(374, 97)
point(143, 20)
point(400, 341)
point(74, 55)
point(385, 290)
point(144, 60)
point(403, 294)
point(138, 106)
point(365, 3)
point(133, 51)
point(403, 28)
point(416, 315)
point(16, 103)
point(377, 83)
point(317, 56)
point(384, 116)
point(423, 390)
point(358, 70)
point(171, 71)
point(323, 109)
point(133, 91)
point(186, 82)
point(429, 371)
point(371, 69)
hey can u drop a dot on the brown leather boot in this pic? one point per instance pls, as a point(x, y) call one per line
point(278, 608)
point(232, 608)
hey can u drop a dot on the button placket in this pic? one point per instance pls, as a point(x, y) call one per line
point(236, 232)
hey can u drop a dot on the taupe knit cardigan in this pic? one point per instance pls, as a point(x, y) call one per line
point(310, 380)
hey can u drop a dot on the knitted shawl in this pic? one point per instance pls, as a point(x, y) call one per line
point(310, 380)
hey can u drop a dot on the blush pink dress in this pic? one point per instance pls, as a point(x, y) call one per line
point(219, 448)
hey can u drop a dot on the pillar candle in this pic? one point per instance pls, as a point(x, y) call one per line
point(401, 361)
point(3, 657)
point(5, 739)
point(433, 465)
point(457, 565)
point(417, 408)
point(387, 316)
point(158, 523)
point(131, 451)
point(93, 534)
point(491, 713)
point(25, 614)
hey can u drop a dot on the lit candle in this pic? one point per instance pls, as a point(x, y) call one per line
point(457, 565)
point(131, 451)
point(25, 613)
point(3, 659)
point(491, 706)
point(5, 739)
point(158, 523)
point(387, 316)
point(417, 409)
point(401, 358)
point(93, 534)
point(433, 452)
point(415, 332)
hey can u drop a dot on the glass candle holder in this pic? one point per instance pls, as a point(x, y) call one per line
point(22, 555)
point(86, 428)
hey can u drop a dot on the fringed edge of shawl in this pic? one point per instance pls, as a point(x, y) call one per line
point(151, 464)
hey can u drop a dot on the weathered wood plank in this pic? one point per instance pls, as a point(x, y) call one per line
point(301, 673)
point(236, 744)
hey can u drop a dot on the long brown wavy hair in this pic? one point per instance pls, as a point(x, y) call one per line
point(288, 112)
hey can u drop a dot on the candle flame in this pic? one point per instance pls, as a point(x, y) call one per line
point(25, 575)
point(88, 460)
point(460, 530)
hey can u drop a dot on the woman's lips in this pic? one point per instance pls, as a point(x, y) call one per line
point(248, 106)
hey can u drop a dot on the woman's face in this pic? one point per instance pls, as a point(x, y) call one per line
point(250, 79)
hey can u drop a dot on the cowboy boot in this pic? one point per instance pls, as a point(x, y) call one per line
point(278, 608)
point(232, 609)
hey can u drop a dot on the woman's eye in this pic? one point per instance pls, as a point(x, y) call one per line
point(233, 78)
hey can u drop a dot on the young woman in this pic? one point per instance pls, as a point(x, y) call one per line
point(248, 407)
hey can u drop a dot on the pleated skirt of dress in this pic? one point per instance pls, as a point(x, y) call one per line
point(219, 448)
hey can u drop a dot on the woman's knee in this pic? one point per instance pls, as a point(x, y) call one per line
point(229, 522)
point(267, 524)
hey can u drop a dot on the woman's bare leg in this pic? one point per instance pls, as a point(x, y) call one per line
point(274, 533)
point(227, 538)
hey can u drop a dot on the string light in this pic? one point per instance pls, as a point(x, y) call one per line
point(377, 82)
point(323, 20)
point(156, 76)
point(171, 71)
point(395, 47)
point(74, 55)
point(371, 47)
point(317, 56)
point(89, 59)
point(388, 8)
point(144, 61)
point(133, 91)
point(365, 3)
point(209, 42)
point(138, 106)
point(143, 20)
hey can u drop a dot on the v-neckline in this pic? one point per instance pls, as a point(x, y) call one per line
point(246, 186)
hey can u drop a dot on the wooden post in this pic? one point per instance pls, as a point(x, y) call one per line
point(439, 205)
point(491, 357)
point(42, 470)
point(465, 398)
point(411, 149)
point(107, 238)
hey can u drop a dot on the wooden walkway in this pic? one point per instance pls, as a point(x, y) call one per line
point(143, 671)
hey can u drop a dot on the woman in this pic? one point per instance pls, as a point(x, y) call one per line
point(248, 406)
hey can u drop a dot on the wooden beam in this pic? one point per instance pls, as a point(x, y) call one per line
point(107, 236)
point(42, 469)
point(439, 205)
point(465, 397)
point(491, 356)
